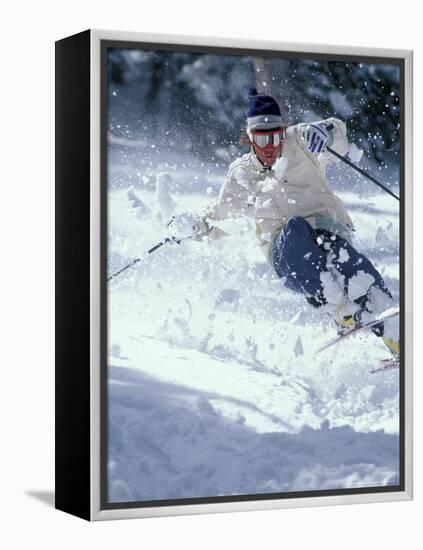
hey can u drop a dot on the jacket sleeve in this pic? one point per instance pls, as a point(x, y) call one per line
point(234, 201)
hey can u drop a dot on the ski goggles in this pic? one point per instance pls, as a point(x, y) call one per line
point(263, 138)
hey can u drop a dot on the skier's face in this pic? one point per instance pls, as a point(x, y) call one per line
point(267, 145)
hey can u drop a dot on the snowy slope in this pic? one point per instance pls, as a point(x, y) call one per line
point(214, 384)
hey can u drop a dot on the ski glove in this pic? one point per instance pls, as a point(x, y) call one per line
point(317, 137)
point(185, 226)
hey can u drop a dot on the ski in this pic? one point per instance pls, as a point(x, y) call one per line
point(387, 314)
point(386, 364)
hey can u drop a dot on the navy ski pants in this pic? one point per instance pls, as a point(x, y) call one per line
point(300, 254)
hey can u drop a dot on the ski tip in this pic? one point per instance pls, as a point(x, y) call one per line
point(386, 364)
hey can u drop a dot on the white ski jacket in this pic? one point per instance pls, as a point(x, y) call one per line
point(295, 186)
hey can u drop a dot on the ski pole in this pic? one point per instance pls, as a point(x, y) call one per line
point(362, 172)
point(359, 170)
point(136, 260)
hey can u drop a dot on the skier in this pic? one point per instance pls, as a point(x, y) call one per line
point(303, 229)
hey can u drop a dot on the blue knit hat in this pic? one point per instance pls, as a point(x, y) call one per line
point(264, 112)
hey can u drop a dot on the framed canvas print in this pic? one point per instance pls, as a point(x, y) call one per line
point(233, 280)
